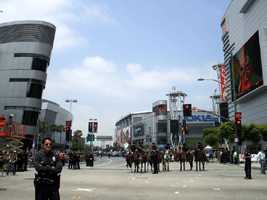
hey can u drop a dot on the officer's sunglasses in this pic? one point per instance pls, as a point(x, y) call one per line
point(48, 144)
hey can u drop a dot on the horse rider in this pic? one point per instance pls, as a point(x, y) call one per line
point(186, 151)
point(200, 147)
point(133, 150)
point(167, 147)
point(140, 148)
point(154, 157)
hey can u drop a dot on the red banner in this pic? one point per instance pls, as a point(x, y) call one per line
point(223, 83)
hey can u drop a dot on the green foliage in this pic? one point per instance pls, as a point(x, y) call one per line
point(192, 143)
point(252, 133)
point(227, 131)
point(146, 146)
point(211, 136)
point(263, 131)
point(76, 144)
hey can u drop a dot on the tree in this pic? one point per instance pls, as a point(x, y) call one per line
point(61, 129)
point(53, 128)
point(43, 128)
point(77, 143)
point(227, 131)
point(263, 131)
point(211, 136)
point(252, 133)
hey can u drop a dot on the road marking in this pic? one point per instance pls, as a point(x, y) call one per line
point(84, 189)
point(192, 180)
point(176, 192)
point(103, 190)
point(173, 185)
point(76, 197)
point(216, 189)
point(184, 186)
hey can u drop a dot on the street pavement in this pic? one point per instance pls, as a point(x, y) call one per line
point(110, 179)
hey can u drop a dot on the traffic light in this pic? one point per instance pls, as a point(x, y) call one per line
point(187, 109)
point(147, 138)
point(68, 133)
point(186, 130)
point(238, 127)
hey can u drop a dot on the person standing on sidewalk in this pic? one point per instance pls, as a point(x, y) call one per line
point(247, 157)
point(261, 156)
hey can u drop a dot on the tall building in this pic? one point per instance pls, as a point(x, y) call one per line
point(25, 51)
point(53, 114)
point(244, 37)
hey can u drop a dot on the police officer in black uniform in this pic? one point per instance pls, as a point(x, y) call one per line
point(140, 148)
point(48, 165)
point(154, 157)
point(200, 147)
point(247, 157)
point(185, 150)
point(133, 150)
point(167, 147)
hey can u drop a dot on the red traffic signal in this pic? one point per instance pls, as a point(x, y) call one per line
point(67, 128)
point(187, 109)
point(68, 123)
point(238, 115)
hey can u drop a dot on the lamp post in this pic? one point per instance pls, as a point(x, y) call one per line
point(70, 101)
point(93, 131)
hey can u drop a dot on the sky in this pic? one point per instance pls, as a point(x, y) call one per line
point(119, 56)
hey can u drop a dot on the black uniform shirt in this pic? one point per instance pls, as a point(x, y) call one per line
point(140, 148)
point(167, 147)
point(48, 165)
point(200, 147)
point(153, 147)
point(133, 148)
point(185, 149)
point(248, 160)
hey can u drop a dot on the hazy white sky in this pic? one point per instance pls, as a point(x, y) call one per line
point(117, 56)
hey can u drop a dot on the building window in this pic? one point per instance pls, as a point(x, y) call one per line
point(30, 118)
point(39, 64)
point(35, 90)
point(35, 87)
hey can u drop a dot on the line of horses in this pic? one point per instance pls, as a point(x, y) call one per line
point(142, 161)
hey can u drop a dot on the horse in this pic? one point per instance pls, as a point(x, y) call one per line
point(136, 161)
point(179, 156)
point(143, 161)
point(200, 158)
point(166, 160)
point(129, 161)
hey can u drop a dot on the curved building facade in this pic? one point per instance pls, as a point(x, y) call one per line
point(25, 51)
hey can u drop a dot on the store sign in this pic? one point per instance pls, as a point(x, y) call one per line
point(138, 130)
point(201, 118)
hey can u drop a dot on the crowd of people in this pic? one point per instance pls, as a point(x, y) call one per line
point(14, 161)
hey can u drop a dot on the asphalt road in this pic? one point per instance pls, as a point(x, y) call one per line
point(110, 179)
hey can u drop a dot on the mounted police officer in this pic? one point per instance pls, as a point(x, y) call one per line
point(140, 148)
point(186, 151)
point(154, 157)
point(200, 147)
point(133, 150)
point(48, 165)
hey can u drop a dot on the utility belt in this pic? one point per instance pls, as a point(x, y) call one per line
point(44, 180)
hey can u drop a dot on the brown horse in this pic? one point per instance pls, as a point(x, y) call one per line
point(179, 156)
point(200, 158)
point(136, 161)
point(129, 161)
point(143, 161)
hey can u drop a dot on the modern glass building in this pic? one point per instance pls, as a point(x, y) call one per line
point(244, 36)
point(25, 51)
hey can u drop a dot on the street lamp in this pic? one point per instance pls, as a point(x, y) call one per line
point(91, 142)
point(70, 101)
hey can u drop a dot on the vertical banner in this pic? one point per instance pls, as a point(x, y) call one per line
point(90, 127)
point(95, 127)
point(223, 83)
